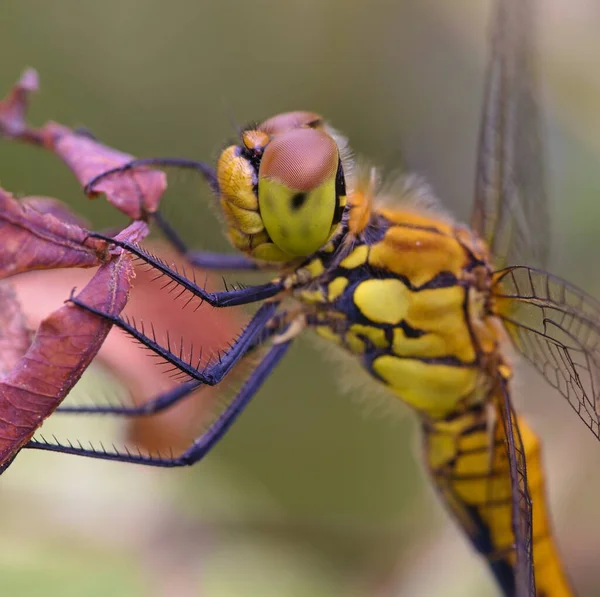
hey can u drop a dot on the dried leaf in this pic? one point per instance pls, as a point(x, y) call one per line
point(13, 108)
point(134, 233)
point(137, 369)
point(63, 347)
point(34, 240)
point(49, 205)
point(136, 193)
point(14, 335)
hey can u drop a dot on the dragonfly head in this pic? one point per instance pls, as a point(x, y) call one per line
point(291, 165)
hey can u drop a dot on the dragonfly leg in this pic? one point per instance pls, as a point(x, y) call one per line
point(155, 405)
point(227, 298)
point(213, 373)
point(83, 131)
point(171, 397)
point(203, 259)
point(207, 172)
point(203, 444)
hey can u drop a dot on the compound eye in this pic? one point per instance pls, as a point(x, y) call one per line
point(282, 123)
point(296, 189)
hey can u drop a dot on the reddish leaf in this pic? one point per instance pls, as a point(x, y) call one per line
point(14, 107)
point(49, 205)
point(136, 193)
point(137, 369)
point(14, 335)
point(134, 233)
point(34, 240)
point(63, 347)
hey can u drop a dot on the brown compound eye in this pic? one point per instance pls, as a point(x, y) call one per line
point(297, 191)
point(289, 121)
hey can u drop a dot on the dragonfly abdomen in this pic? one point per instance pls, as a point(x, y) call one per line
point(467, 458)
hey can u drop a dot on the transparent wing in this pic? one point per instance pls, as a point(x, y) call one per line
point(510, 211)
point(556, 327)
point(481, 475)
point(522, 514)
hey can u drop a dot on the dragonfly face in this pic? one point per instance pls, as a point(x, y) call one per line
point(282, 190)
point(427, 306)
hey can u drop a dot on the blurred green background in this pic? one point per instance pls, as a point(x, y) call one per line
point(309, 494)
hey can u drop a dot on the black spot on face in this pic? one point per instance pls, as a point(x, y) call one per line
point(298, 200)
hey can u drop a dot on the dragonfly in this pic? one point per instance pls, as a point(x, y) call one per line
point(430, 308)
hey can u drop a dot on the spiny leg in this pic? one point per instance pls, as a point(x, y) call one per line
point(203, 259)
point(171, 397)
point(213, 373)
point(208, 172)
point(205, 442)
point(155, 405)
point(84, 131)
point(227, 298)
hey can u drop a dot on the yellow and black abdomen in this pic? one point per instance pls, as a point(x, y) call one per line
point(402, 301)
point(468, 462)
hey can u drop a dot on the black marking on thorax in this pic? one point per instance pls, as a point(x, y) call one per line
point(340, 191)
point(373, 233)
